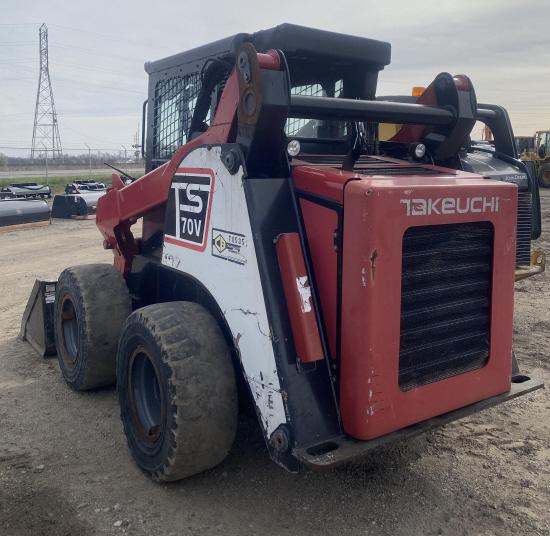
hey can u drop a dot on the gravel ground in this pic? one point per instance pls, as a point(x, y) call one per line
point(65, 469)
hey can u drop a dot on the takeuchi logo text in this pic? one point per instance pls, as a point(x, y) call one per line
point(450, 205)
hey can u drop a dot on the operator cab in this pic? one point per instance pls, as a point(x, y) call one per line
point(184, 89)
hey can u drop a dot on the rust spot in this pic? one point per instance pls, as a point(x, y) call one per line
point(372, 258)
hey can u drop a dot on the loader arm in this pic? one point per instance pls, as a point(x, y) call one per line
point(123, 204)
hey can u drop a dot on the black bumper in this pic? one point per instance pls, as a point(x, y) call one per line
point(343, 448)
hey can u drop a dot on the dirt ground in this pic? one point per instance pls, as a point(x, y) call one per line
point(65, 469)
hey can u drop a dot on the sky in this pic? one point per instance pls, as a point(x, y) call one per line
point(97, 51)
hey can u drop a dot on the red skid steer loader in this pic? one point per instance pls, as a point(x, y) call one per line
point(360, 290)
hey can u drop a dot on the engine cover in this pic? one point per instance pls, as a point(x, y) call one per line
point(427, 298)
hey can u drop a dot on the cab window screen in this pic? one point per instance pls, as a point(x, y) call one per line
point(315, 128)
point(175, 100)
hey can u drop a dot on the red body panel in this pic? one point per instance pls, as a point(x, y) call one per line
point(375, 219)
point(298, 298)
point(315, 180)
point(327, 181)
point(321, 223)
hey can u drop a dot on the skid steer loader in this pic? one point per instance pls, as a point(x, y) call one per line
point(359, 290)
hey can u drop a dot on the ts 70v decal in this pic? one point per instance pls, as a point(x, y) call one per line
point(188, 208)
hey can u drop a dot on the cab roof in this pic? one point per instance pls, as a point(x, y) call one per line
point(297, 42)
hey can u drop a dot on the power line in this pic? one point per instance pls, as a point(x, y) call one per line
point(90, 68)
point(76, 114)
point(98, 86)
point(87, 136)
point(19, 148)
point(21, 65)
point(105, 36)
point(17, 44)
point(79, 82)
point(17, 61)
point(93, 52)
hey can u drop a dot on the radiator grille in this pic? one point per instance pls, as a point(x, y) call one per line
point(523, 240)
point(445, 301)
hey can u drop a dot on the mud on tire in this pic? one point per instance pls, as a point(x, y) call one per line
point(177, 390)
point(91, 304)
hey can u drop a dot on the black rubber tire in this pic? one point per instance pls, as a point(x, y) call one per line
point(544, 176)
point(189, 387)
point(91, 304)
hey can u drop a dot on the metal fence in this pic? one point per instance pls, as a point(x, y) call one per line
point(16, 162)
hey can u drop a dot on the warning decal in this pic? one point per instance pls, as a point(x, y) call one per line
point(229, 246)
point(188, 213)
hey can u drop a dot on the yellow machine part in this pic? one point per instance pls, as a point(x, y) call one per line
point(386, 131)
point(538, 263)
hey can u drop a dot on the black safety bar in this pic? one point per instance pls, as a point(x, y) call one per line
point(367, 110)
point(377, 111)
point(143, 123)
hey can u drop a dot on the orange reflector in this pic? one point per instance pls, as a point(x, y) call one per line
point(418, 90)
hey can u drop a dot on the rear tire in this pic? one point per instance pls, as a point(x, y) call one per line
point(544, 176)
point(177, 390)
point(91, 304)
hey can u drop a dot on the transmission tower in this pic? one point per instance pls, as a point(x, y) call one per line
point(45, 134)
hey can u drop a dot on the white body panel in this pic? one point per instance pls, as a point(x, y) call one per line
point(228, 268)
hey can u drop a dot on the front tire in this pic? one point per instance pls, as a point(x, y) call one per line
point(91, 304)
point(177, 390)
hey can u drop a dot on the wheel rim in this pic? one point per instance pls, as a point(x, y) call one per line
point(69, 329)
point(146, 396)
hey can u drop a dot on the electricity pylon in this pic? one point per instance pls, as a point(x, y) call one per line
point(45, 134)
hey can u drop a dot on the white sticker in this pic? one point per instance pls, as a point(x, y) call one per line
point(305, 293)
point(229, 246)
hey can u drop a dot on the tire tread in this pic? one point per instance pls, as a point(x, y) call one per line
point(102, 301)
point(198, 365)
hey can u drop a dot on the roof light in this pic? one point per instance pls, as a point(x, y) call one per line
point(418, 90)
